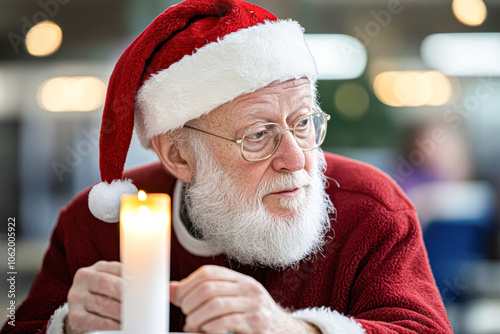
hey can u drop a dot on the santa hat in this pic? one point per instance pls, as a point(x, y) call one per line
point(194, 57)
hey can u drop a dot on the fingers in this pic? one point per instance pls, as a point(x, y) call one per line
point(102, 278)
point(203, 274)
point(112, 267)
point(233, 322)
point(83, 322)
point(203, 292)
point(103, 283)
point(94, 299)
point(215, 309)
point(244, 322)
point(103, 307)
point(215, 299)
point(174, 286)
point(81, 301)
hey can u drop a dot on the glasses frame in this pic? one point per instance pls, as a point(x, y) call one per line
point(292, 129)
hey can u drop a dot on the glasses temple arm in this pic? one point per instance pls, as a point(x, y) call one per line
point(237, 141)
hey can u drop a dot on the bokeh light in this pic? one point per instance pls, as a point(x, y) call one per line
point(413, 88)
point(441, 88)
point(337, 56)
point(351, 100)
point(72, 94)
point(384, 88)
point(463, 54)
point(43, 39)
point(469, 12)
point(3, 94)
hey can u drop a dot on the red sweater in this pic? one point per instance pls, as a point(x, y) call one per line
point(374, 268)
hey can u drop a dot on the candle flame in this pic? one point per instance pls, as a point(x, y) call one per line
point(142, 195)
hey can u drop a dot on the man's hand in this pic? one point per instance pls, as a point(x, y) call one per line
point(216, 299)
point(94, 298)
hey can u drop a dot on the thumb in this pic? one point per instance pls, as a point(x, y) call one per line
point(174, 286)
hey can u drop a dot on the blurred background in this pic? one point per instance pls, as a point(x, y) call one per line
point(413, 87)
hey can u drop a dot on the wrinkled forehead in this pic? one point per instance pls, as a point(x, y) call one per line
point(282, 95)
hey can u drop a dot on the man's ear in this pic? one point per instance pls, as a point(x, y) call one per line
point(174, 159)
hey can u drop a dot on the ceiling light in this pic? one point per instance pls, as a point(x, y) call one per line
point(337, 56)
point(463, 54)
point(413, 88)
point(469, 12)
point(43, 39)
point(72, 94)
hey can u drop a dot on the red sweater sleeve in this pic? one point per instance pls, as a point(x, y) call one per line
point(394, 290)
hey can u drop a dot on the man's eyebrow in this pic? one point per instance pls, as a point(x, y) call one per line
point(300, 100)
point(304, 96)
point(249, 113)
point(254, 111)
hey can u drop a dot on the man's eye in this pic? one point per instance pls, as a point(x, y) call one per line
point(303, 123)
point(256, 135)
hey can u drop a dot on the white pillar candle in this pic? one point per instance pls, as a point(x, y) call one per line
point(145, 254)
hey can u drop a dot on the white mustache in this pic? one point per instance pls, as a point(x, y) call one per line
point(284, 182)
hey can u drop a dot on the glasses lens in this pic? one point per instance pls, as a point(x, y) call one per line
point(260, 142)
point(310, 131)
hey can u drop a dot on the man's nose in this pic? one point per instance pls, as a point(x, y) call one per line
point(289, 157)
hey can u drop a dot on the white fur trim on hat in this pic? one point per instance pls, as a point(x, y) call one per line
point(104, 199)
point(239, 63)
point(330, 322)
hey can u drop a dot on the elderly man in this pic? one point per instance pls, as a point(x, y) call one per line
point(270, 235)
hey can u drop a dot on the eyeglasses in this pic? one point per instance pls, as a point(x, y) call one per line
point(261, 141)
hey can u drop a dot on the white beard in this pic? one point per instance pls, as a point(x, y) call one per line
point(237, 224)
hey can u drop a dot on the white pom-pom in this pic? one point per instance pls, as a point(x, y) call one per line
point(104, 199)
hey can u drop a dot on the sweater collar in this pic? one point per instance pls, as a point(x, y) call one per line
point(191, 244)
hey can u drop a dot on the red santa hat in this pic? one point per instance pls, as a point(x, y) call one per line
point(194, 57)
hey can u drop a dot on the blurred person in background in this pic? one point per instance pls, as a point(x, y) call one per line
point(455, 208)
point(438, 167)
point(434, 151)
